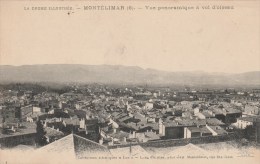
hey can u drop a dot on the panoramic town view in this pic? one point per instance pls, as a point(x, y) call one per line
point(129, 80)
point(133, 119)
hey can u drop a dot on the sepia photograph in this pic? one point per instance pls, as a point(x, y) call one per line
point(134, 81)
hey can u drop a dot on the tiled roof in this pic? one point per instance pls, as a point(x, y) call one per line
point(170, 124)
point(27, 128)
point(214, 121)
point(130, 151)
point(77, 146)
point(53, 133)
point(218, 130)
point(249, 119)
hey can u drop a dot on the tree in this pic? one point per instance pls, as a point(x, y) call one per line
point(40, 138)
point(250, 133)
point(3, 121)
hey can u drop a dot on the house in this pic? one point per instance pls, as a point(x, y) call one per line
point(10, 113)
point(148, 106)
point(216, 130)
point(34, 117)
point(89, 125)
point(243, 122)
point(187, 114)
point(36, 109)
point(251, 110)
point(26, 111)
point(58, 113)
point(28, 94)
point(113, 123)
point(147, 136)
point(205, 114)
point(63, 105)
point(171, 130)
point(79, 105)
point(70, 124)
point(215, 122)
point(52, 134)
point(227, 115)
point(198, 131)
point(18, 133)
point(137, 122)
point(114, 137)
point(53, 123)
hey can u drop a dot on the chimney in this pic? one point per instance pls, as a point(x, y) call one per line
point(45, 123)
point(112, 142)
point(114, 130)
point(99, 129)
point(101, 141)
point(134, 134)
point(124, 139)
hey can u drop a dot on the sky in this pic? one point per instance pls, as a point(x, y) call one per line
point(204, 40)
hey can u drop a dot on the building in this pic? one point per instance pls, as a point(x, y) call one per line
point(217, 130)
point(243, 122)
point(75, 146)
point(171, 130)
point(17, 134)
point(226, 115)
point(198, 131)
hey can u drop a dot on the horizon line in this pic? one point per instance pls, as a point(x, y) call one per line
point(144, 68)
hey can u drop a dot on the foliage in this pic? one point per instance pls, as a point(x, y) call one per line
point(40, 138)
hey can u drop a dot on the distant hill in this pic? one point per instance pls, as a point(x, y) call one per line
point(61, 73)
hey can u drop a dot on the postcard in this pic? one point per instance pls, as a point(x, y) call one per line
point(129, 81)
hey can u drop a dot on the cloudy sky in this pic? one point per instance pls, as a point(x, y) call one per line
point(199, 40)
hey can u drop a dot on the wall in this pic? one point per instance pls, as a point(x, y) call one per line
point(26, 139)
point(181, 142)
point(174, 132)
point(36, 109)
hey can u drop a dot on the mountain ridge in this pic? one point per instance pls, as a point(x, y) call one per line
point(120, 74)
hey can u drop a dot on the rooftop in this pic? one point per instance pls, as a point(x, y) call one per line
point(25, 128)
point(249, 119)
